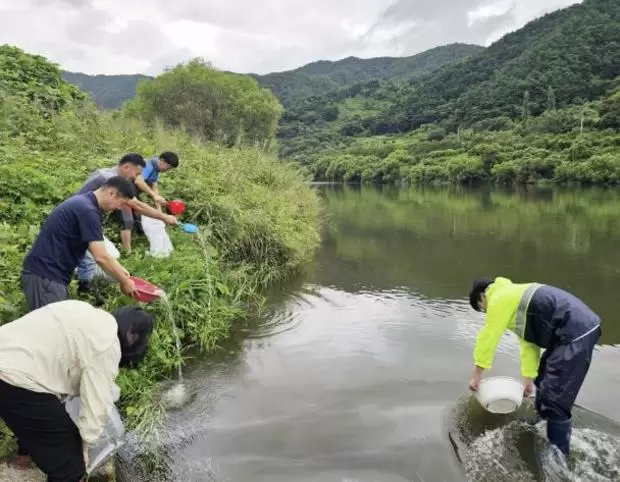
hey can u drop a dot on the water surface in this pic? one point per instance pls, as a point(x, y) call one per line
point(360, 372)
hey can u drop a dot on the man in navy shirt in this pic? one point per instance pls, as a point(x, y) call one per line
point(73, 228)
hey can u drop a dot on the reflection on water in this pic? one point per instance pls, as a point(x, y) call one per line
point(435, 242)
point(349, 374)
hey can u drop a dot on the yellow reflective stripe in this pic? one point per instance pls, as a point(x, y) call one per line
point(521, 318)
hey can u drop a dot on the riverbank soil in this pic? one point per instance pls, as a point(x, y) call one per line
point(11, 474)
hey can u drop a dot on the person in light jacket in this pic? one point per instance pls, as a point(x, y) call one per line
point(65, 349)
point(542, 316)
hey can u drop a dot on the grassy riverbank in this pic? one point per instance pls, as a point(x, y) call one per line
point(258, 219)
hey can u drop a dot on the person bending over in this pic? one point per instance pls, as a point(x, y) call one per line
point(130, 167)
point(71, 230)
point(542, 316)
point(68, 348)
point(148, 181)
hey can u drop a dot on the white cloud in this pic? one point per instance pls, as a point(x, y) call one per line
point(485, 12)
point(127, 36)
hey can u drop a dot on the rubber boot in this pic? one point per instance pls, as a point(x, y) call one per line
point(559, 434)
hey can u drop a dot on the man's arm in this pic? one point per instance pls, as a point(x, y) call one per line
point(151, 191)
point(487, 341)
point(111, 266)
point(496, 322)
point(96, 385)
point(160, 200)
point(146, 210)
point(530, 359)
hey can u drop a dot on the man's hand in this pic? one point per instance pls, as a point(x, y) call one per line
point(128, 287)
point(528, 386)
point(170, 220)
point(474, 383)
point(159, 199)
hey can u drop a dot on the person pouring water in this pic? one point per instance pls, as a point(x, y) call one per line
point(542, 316)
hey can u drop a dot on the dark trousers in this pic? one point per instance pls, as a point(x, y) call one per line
point(129, 220)
point(45, 430)
point(40, 291)
point(561, 373)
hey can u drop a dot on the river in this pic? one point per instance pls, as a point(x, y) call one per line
point(360, 372)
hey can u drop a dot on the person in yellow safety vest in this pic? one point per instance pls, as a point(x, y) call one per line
point(546, 317)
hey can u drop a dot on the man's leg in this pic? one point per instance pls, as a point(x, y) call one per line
point(563, 374)
point(43, 427)
point(125, 216)
point(40, 291)
point(85, 272)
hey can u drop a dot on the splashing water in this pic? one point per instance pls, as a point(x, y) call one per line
point(505, 454)
point(178, 395)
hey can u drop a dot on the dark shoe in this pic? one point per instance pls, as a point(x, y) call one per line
point(559, 434)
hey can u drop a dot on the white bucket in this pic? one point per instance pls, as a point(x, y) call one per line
point(500, 395)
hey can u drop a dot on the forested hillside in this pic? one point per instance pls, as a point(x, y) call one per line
point(110, 91)
point(541, 103)
point(528, 99)
point(318, 77)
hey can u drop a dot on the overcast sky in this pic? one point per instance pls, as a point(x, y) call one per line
point(129, 36)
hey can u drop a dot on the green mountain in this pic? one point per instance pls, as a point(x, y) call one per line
point(109, 91)
point(562, 59)
point(574, 51)
point(540, 104)
point(321, 76)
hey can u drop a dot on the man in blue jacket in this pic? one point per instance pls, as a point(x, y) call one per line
point(148, 181)
point(546, 317)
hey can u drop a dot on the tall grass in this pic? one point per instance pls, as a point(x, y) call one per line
point(258, 220)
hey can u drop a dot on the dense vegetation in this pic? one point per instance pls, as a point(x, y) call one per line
point(258, 220)
point(541, 103)
point(227, 108)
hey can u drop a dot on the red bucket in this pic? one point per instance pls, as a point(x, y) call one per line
point(145, 292)
point(176, 207)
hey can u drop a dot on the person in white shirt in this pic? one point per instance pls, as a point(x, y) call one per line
point(66, 349)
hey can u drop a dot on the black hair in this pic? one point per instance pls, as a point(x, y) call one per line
point(132, 158)
point(478, 288)
point(170, 158)
point(133, 319)
point(123, 185)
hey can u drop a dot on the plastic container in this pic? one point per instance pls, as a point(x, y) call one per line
point(500, 394)
point(159, 241)
point(111, 439)
point(176, 207)
point(190, 228)
point(146, 292)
